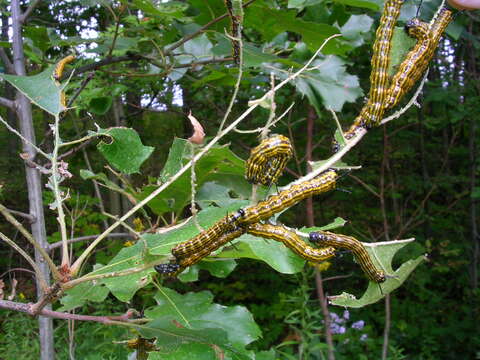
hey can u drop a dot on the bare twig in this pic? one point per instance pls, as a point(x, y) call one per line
point(7, 103)
point(6, 61)
point(201, 30)
point(88, 237)
point(4, 211)
point(33, 4)
point(28, 309)
point(27, 257)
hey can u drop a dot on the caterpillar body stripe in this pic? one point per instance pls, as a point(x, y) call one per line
point(205, 238)
point(417, 60)
point(291, 240)
point(287, 198)
point(58, 72)
point(178, 265)
point(357, 248)
point(268, 160)
point(372, 112)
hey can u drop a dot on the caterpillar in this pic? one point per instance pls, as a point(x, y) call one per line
point(291, 240)
point(417, 60)
point(287, 198)
point(357, 248)
point(372, 112)
point(268, 160)
point(180, 264)
point(205, 238)
point(235, 25)
point(58, 72)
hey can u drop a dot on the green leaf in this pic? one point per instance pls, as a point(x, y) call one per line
point(160, 244)
point(301, 4)
point(126, 151)
point(382, 255)
point(196, 319)
point(356, 27)
point(88, 291)
point(220, 269)
point(39, 36)
point(172, 9)
point(188, 351)
point(271, 22)
point(367, 4)
point(401, 44)
point(330, 84)
point(101, 177)
point(219, 164)
point(213, 193)
point(100, 105)
point(274, 253)
point(41, 89)
point(336, 223)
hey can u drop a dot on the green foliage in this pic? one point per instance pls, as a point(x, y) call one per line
point(146, 95)
point(49, 99)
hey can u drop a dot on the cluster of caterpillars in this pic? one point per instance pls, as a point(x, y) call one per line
point(386, 92)
point(265, 164)
point(268, 160)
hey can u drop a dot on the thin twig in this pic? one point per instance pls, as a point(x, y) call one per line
point(29, 217)
point(25, 140)
point(28, 309)
point(28, 12)
point(201, 30)
point(6, 61)
point(55, 179)
point(29, 237)
point(27, 257)
point(7, 103)
point(88, 237)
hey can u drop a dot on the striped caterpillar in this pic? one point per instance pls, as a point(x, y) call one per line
point(205, 238)
point(291, 240)
point(180, 264)
point(235, 25)
point(372, 112)
point(287, 198)
point(58, 72)
point(416, 61)
point(357, 248)
point(268, 160)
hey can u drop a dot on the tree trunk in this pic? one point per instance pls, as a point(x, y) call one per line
point(34, 183)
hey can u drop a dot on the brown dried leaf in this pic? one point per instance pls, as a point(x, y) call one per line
point(198, 132)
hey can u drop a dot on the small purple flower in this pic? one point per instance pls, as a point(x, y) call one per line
point(334, 317)
point(346, 315)
point(337, 329)
point(358, 325)
point(363, 337)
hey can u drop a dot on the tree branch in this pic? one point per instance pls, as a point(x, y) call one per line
point(6, 61)
point(7, 103)
point(28, 12)
point(28, 309)
point(201, 30)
